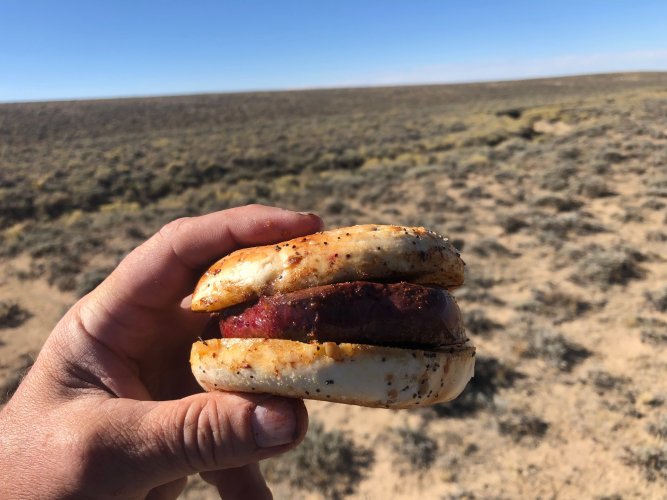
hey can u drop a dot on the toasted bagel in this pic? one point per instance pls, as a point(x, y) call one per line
point(366, 375)
point(365, 252)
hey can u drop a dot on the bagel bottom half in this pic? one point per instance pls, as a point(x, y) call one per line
point(360, 374)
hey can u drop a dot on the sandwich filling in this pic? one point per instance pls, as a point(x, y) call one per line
point(384, 314)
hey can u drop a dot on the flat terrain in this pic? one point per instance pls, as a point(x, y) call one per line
point(555, 190)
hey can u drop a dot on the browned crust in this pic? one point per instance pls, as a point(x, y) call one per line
point(366, 252)
point(357, 374)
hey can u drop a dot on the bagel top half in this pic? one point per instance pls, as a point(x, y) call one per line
point(368, 252)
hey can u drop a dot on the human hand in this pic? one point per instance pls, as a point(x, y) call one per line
point(99, 414)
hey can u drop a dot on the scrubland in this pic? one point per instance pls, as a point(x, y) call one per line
point(554, 190)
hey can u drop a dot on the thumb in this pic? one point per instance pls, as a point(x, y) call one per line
point(210, 431)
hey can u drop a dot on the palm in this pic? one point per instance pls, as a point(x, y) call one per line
point(157, 368)
point(165, 369)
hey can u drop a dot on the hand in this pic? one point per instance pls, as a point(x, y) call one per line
point(99, 414)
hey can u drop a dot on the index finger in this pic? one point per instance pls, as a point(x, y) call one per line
point(164, 269)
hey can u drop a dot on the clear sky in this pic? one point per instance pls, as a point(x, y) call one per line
point(77, 49)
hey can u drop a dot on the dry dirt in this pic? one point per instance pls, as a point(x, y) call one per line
point(555, 190)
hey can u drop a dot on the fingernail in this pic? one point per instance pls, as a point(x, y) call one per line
point(309, 214)
point(274, 423)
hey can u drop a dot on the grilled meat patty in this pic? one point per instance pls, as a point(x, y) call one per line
point(360, 312)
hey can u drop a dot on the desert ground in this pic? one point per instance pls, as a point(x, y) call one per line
point(554, 190)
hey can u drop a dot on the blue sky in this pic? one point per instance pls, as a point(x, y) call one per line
point(80, 49)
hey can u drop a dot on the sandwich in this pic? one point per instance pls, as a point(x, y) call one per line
point(360, 315)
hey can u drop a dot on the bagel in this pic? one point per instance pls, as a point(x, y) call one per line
point(366, 375)
point(366, 252)
point(359, 315)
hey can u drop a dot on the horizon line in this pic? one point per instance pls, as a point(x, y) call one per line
point(279, 90)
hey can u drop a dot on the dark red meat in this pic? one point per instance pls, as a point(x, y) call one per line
point(398, 314)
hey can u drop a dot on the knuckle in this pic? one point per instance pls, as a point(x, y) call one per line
point(250, 210)
point(170, 237)
point(168, 230)
point(211, 438)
